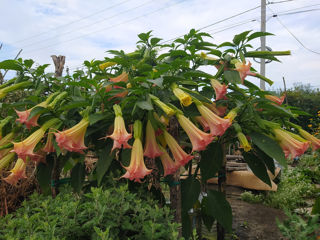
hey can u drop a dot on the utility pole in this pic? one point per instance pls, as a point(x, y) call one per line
point(263, 43)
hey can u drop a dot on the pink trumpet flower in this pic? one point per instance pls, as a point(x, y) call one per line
point(24, 118)
point(216, 124)
point(72, 139)
point(220, 89)
point(169, 166)
point(203, 123)
point(123, 77)
point(120, 134)
point(315, 142)
point(17, 172)
point(137, 169)
point(180, 156)
point(151, 149)
point(199, 139)
point(48, 148)
point(220, 110)
point(290, 146)
point(277, 100)
point(244, 70)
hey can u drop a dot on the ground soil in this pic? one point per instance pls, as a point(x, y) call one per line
point(251, 221)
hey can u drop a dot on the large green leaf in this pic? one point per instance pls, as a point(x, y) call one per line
point(258, 34)
point(145, 105)
point(190, 190)
point(77, 176)
point(219, 208)
point(197, 73)
point(186, 225)
point(316, 207)
point(268, 161)
point(11, 65)
point(232, 76)
point(269, 146)
point(44, 175)
point(104, 161)
point(37, 110)
point(211, 161)
point(240, 37)
point(205, 215)
point(258, 167)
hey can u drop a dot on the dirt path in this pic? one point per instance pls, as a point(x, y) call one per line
point(252, 221)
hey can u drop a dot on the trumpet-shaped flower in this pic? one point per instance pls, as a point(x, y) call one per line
point(72, 139)
point(290, 146)
point(203, 123)
point(25, 148)
point(120, 134)
point(277, 100)
point(232, 114)
point(220, 89)
point(17, 172)
point(169, 166)
point(167, 110)
point(244, 142)
point(315, 142)
point(220, 110)
point(179, 155)
point(244, 70)
point(137, 169)
point(48, 148)
point(24, 118)
point(102, 66)
point(123, 77)
point(151, 149)
point(199, 139)
point(184, 98)
point(216, 124)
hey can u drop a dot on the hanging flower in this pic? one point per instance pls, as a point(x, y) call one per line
point(72, 139)
point(199, 139)
point(277, 100)
point(184, 98)
point(48, 148)
point(220, 89)
point(24, 118)
point(244, 142)
point(167, 110)
point(102, 66)
point(203, 123)
point(25, 148)
point(315, 142)
point(120, 135)
point(123, 77)
point(244, 70)
point(216, 124)
point(169, 166)
point(17, 172)
point(6, 160)
point(232, 114)
point(179, 155)
point(220, 110)
point(151, 149)
point(137, 169)
point(291, 146)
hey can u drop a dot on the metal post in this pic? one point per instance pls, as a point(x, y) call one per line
point(263, 43)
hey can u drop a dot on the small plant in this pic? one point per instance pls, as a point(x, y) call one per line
point(249, 197)
point(99, 214)
point(297, 228)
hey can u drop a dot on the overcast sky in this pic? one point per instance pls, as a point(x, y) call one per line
point(85, 30)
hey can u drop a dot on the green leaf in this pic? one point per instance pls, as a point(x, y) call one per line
point(316, 207)
point(77, 176)
point(186, 225)
point(154, 41)
point(219, 208)
point(268, 161)
point(258, 34)
point(226, 44)
point(104, 161)
point(240, 37)
point(11, 65)
point(96, 117)
point(37, 110)
point(197, 73)
point(232, 76)
point(44, 174)
point(211, 161)
point(205, 215)
point(145, 105)
point(75, 104)
point(157, 81)
point(269, 146)
point(258, 167)
point(190, 190)
point(196, 95)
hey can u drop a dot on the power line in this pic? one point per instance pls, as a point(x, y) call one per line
point(112, 26)
point(91, 24)
point(293, 35)
point(72, 22)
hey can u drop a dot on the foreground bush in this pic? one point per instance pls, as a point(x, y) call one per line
point(99, 214)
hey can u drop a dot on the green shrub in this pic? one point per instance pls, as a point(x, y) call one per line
point(251, 198)
point(297, 228)
point(99, 214)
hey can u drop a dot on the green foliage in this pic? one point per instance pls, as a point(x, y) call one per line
point(299, 228)
point(100, 214)
point(251, 198)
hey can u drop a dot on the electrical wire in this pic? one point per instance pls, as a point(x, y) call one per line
point(75, 21)
point(109, 27)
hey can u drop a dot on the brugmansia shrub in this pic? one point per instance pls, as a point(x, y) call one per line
point(116, 212)
point(123, 109)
